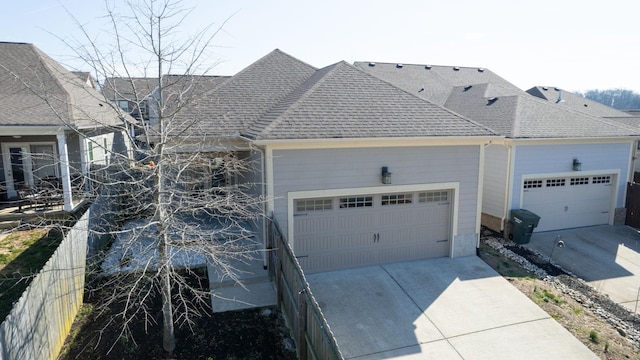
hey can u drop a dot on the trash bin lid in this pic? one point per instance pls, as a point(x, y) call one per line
point(525, 214)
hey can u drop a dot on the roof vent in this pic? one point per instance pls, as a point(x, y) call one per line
point(556, 89)
point(545, 88)
point(468, 87)
point(428, 67)
point(456, 68)
point(421, 89)
point(480, 70)
point(490, 101)
point(399, 66)
point(585, 105)
point(372, 64)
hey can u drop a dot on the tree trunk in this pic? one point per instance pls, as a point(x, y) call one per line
point(168, 336)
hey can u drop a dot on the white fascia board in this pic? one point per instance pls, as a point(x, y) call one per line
point(553, 141)
point(31, 130)
point(376, 142)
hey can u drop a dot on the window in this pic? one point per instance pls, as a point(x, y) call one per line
point(555, 182)
point(124, 105)
point(532, 184)
point(356, 202)
point(313, 205)
point(433, 196)
point(580, 181)
point(601, 179)
point(106, 151)
point(395, 199)
point(90, 150)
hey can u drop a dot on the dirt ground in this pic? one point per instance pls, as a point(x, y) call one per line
point(605, 327)
point(247, 334)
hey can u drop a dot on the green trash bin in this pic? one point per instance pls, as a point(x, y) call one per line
point(523, 222)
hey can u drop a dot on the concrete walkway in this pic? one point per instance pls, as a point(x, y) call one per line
point(254, 288)
point(438, 309)
point(607, 257)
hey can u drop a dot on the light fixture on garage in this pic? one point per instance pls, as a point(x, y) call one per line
point(577, 165)
point(386, 175)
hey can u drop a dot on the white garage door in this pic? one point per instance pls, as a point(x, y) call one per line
point(352, 231)
point(570, 202)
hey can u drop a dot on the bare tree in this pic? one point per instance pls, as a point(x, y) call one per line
point(185, 201)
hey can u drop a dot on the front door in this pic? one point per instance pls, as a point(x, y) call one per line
point(17, 171)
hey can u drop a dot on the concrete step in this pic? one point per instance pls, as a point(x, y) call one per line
point(252, 289)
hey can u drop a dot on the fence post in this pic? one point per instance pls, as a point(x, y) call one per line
point(302, 324)
point(278, 268)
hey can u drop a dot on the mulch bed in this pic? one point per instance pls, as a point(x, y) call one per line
point(246, 334)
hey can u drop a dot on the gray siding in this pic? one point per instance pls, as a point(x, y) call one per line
point(254, 180)
point(495, 177)
point(318, 169)
point(542, 159)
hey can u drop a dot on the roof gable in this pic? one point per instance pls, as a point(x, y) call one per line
point(36, 90)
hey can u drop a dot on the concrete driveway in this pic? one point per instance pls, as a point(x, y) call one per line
point(607, 257)
point(437, 309)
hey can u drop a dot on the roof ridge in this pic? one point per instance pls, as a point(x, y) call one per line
point(48, 64)
point(293, 100)
point(415, 64)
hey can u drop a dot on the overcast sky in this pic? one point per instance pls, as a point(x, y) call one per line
point(574, 45)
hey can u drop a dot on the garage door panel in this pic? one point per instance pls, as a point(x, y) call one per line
point(569, 202)
point(351, 237)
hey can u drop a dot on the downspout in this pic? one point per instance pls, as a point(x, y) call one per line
point(265, 257)
point(480, 191)
point(509, 184)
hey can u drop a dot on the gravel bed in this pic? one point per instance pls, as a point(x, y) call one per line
point(624, 321)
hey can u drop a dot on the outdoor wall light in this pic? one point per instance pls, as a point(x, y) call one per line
point(386, 175)
point(577, 165)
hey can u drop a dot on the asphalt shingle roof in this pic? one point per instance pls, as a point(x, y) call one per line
point(434, 82)
point(132, 89)
point(575, 102)
point(490, 100)
point(341, 101)
point(524, 116)
point(236, 103)
point(36, 90)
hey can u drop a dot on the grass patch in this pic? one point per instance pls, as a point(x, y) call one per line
point(594, 337)
point(548, 297)
point(576, 310)
point(22, 254)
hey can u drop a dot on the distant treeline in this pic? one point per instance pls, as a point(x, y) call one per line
point(617, 98)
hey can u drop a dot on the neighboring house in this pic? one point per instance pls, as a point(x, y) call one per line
point(590, 107)
point(139, 96)
point(356, 171)
point(569, 167)
point(53, 125)
point(85, 77)
point(133, 96)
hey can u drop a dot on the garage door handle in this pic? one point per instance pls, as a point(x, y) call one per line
point(442, 240)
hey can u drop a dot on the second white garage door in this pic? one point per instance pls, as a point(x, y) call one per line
point(570, 202)
point(352, 231)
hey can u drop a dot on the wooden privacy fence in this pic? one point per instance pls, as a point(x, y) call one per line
point(40, 320)
point(312, 335)
point(633, 202)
